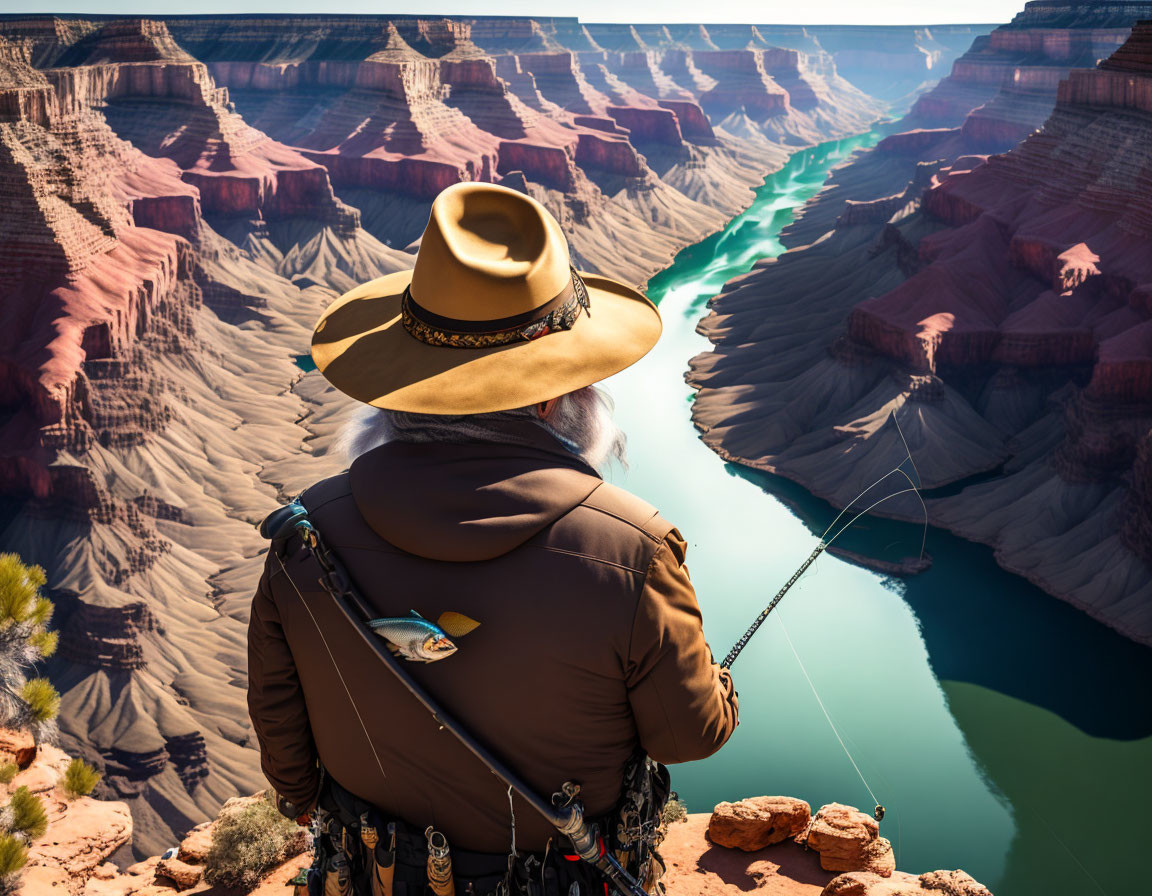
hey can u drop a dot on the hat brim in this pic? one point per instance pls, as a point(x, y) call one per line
point(362, 348)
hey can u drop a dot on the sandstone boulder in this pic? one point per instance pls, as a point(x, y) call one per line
point(146, 867)
point(17, 745)
point(754, 823)
point(696, 866)
point(81, 835)
point(849, 840)
point(45, 772)
point(934, 883)
point(182, 874)
point(194, 848)
point(952, 883)
point(107, 871)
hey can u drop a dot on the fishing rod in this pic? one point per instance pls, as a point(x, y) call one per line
point(821, 546)
point(565, 811)
point(825, 541)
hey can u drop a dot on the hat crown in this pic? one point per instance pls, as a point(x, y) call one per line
point(489, 253)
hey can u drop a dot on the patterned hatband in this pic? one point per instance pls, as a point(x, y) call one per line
point(558, 314)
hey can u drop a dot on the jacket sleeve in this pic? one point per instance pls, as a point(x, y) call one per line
point(276, 705)
point(685, 707)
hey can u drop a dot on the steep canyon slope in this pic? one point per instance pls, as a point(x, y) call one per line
point(183, 196)
point(999, 307)
point(998, 92)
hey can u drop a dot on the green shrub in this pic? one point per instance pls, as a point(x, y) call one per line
point(44, 642)
point(41, 613)
point(79, 778)
point(247, 842)
point(28, 815)
point(24, 640)
point(675, 810)
point(20, 590)
point(42, 699)
point(8, 771)
point(13, 855)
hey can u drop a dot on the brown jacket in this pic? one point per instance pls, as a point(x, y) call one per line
point(590, 640)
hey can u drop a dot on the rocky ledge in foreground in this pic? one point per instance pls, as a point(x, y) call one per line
point(773, 845)
point(81, 833)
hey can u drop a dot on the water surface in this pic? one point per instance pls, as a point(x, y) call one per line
point(1005, 732)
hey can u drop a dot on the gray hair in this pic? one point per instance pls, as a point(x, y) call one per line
point(581, 421)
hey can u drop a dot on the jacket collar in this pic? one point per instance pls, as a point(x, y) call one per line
point(469, 501)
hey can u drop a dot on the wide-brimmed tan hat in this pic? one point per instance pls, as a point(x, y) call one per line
point(492, 316)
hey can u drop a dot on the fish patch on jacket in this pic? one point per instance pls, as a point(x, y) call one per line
point(416, 639)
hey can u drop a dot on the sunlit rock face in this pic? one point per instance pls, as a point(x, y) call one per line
point(998, 306)
point(998, 92)
point(1013, 73)
point(183, 196)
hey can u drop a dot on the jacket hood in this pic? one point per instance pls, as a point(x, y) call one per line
point(468, 501)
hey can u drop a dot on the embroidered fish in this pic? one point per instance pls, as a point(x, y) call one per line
point(414, 638)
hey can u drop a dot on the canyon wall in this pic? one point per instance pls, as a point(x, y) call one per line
point(184, 195)
point(892, 62)
point(998, 308)
point(998, 92)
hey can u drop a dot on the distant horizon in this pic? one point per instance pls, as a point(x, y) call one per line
point(607, 12)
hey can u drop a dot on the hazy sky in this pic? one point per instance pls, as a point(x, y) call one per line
point(861, 12)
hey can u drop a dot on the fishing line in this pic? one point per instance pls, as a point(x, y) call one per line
point(1068, 850)
point(825, 541)
point(893, 814)
point(919, 478)
point(335, 665)
point(739, 646)
point(848, 525)
point(850, 504)
point(897, 469)
point(824, 709)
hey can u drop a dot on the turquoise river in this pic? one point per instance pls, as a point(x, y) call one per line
point(1005, 732)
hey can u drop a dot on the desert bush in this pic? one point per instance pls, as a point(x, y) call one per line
point(21, 821)
point(79, 778)
point(25, 640)
point(675, 810)
point(8, 771)
point(19, 588)
point(27, 815)
point(248, 841)
point(44, 642)
point(13, 857)
point(41, 698)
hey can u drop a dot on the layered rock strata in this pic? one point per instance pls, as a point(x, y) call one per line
point(1000, 91)
point(1022, 61)
point(122, 391)
point(1002, 317)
